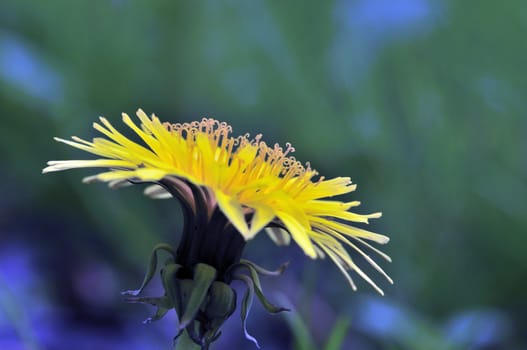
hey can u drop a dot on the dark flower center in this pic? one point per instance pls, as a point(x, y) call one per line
point(215, 243)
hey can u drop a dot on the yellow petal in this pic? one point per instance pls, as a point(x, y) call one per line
point(58, 165)
point(116, 175)
point(150, 174)
point(148, 139)
point(144, 174)
point(298, 232)
point(233, 210)
point(327, 225)
point(263, 214)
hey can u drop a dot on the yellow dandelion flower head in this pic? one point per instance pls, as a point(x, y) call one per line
point(256, 186)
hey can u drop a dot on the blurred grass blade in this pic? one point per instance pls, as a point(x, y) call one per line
point(301, 333)
point(338, 334)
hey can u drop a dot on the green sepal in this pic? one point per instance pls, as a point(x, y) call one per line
point(215, 337)
point(160, 313)
point(183, 341)
point(222, 301)
point(193, 332)
point(212, 335)
point(151, 267)
point(156, 301)
point(279, 271)
point(170, 284)
point(170, 260)
point(220, 306)
point(270, 307)
point(184, 289)
point(204, 275)
point(163, 304)
point(247, 303)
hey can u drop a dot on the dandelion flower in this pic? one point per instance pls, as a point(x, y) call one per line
point(230, 189)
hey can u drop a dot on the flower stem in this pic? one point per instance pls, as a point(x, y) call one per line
point(185, 343)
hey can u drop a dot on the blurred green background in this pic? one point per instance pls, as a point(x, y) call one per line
point(421, 102)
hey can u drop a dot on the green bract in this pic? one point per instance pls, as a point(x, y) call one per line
point(203, 302)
